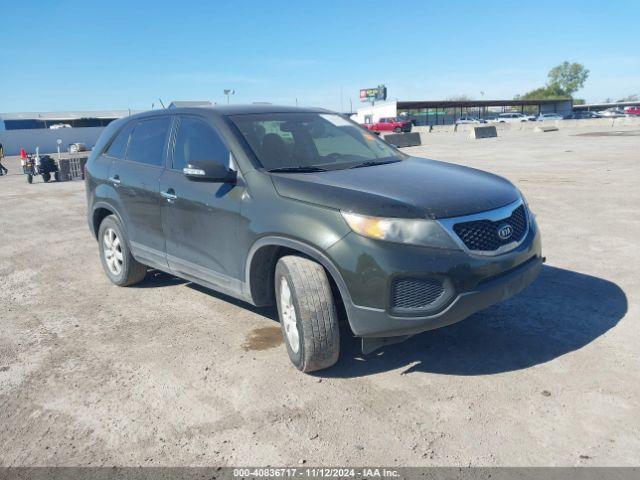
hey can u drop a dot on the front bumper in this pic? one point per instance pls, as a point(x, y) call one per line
point(376, 323)
point(477, 282)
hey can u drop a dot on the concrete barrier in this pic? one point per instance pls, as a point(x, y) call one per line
point(401, 140)
point(546, 128)
point(484, 132)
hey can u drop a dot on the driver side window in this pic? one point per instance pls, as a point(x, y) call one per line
point(197, 141)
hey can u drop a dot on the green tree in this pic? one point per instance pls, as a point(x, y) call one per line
point(570, 77)
point(564, 80)
point(548, 92)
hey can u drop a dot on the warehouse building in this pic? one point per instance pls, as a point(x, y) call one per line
point(446, 112)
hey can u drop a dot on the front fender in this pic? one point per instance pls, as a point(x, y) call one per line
point(309, 250)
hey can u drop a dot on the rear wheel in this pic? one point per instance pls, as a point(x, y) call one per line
point(397, 130)
point(56, 176)
point(117, 261)
point(46, 177)
point(307, 313)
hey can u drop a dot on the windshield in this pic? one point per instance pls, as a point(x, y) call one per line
point(290, 141)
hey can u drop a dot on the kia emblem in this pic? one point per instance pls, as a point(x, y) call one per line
point(505, 231)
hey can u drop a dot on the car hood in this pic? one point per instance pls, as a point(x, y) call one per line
point(413, 188)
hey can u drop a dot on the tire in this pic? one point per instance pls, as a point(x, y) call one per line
point(56, 176)
point(120, 266)
point(46, 177)
point(314, 313)
point(397, 130)
point(29, 178)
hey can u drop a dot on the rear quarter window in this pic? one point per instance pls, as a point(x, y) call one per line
point(148, 140)
point(118, 147)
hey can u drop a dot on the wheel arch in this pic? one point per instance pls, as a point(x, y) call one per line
point(262, 259)
point(101, 211)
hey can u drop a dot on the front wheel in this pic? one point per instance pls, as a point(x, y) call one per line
point(46, 177)
point(307, 313)
point(29, 178)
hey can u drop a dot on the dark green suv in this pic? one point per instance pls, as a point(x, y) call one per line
point(305, 209)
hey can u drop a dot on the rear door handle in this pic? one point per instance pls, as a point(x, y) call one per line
point(169, 194)
point(115, 179)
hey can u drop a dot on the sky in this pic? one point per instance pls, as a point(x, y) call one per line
point(91, 55)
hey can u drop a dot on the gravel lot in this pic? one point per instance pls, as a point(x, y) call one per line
point(173, 374)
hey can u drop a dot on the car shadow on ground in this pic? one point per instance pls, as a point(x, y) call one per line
point(560, 312)
point(267, 312)
point(156, 278)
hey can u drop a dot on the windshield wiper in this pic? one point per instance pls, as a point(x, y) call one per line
point(371, 163)
point(300, 169)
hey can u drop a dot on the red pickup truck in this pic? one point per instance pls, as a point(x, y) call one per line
point(390, 124)
point(634, 110)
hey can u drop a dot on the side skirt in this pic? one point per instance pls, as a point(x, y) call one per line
point(189, 271)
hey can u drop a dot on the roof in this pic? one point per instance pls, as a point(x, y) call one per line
point(68, 115)
point(262, 108)
point(414, 105)
point(237, 110)
point(189, 103)
point(606, 105)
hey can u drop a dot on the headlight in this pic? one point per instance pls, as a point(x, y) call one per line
point(526, 206)
point(400, 230)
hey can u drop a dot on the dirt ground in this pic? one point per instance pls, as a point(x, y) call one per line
point(169, 373)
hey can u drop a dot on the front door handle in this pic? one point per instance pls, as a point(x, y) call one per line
point(170, 194)
point(115, 179)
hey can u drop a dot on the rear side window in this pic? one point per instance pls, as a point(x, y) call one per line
point(148, 140)
point(197, 141)
point(118, 147)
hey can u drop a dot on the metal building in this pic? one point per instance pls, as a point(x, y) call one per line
point(446, 112)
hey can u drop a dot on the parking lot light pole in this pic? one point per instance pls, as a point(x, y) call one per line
point(228, 92)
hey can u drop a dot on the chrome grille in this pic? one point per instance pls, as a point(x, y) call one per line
point(482, 235)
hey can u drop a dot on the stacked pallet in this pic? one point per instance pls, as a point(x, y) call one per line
point(71, 168)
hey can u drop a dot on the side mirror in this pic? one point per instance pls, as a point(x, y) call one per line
point(209, 172)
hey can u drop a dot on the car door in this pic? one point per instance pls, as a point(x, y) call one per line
point(199, 218)
point(136, 179)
